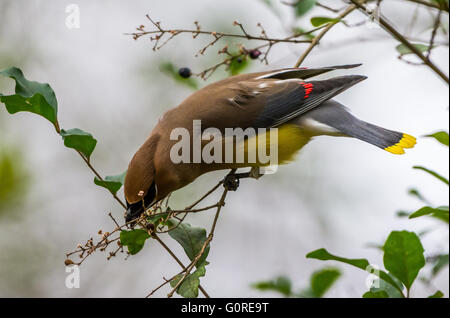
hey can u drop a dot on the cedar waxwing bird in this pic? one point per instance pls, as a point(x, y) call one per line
point(285, 99)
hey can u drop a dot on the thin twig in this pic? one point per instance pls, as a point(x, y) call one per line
point(160, 32)
point(437, 22)
point(317, 38)
point(178, 261)
point(221, 203)
point(88, 163)
point(395, 34)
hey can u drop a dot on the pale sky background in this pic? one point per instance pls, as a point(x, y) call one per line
point(340, 193)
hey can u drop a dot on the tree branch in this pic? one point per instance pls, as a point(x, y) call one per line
point(328, 27)
point(429, 4)
point(395, 34)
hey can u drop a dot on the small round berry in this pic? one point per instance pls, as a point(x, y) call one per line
point(254, 54)
point(185, 72)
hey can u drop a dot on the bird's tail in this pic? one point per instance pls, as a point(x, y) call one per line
point(335, 115)
point(389, 140)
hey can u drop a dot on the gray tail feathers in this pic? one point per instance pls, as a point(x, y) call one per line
point(336, 115)
point(375, 135)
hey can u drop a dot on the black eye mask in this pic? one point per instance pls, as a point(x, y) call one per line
point(136, 209)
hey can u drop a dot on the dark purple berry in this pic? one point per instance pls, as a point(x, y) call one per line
point(254, 54)
point(185, 72)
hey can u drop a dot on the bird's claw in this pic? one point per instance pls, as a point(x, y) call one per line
point(231, 182)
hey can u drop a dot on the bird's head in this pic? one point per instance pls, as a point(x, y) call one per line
point(140, 187)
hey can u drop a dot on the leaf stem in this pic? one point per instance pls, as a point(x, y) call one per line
point(88, 163)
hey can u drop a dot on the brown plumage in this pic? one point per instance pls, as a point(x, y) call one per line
point(257, 100)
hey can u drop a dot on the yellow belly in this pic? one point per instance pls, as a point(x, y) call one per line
point(289, 140)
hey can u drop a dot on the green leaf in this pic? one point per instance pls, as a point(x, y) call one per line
point(434, 174)
point(437, 294)
point(415, 193)
point(298, 30)
point(403, 256)
point(323, 255)
point(191, 239)
point(379, 285)
point(189, 287)
point(238, 65)
point(79, 140)
point(134, 240)
point(303, 6)
point(34, 97)
point(361, 263)
point(441, 136)
point(441, 213)
point(157, 219)
point(169, 69)
point(402, 214)
point(281, 285)
point(112, 183)
point(378, 294)
point(318, 21)
point(443, 4)
point(321, 281)
point(404, 50)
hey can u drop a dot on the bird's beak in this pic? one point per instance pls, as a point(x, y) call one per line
point(132, 214)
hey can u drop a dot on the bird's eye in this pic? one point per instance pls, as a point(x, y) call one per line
point(136, 209)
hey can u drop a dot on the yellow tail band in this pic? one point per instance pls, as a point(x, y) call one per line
point(407, 141)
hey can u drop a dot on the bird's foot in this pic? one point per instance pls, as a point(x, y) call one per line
point(231, 181)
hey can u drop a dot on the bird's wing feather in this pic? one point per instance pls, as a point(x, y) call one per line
point(304, 73)
point(278, 101)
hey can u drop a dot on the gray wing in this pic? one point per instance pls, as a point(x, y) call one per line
point(304, 73)
point(298, 97)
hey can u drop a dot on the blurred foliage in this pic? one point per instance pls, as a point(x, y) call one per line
point(239, 65)
point(433, 173)
point(318, 21)
point(320, 282)
point(404, 50)
point(404, 254)
point(14, 179)
point(441, 136)
point(169, 69)
point(439, 213)
point(403, 259)
point(280, 284)
point(302, 7)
